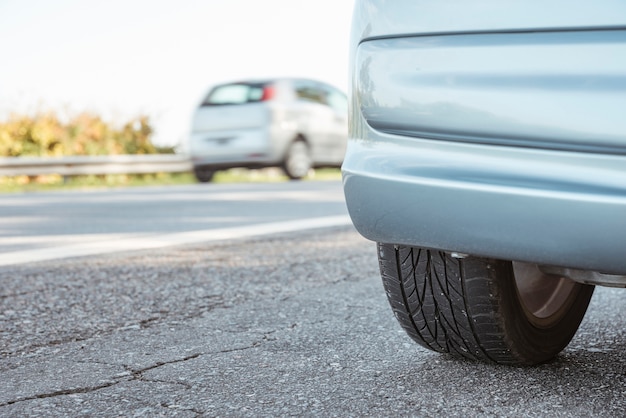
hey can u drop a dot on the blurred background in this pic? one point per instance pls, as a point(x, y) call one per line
point(140, 67)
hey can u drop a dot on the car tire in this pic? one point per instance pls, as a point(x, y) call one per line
point(297, 163)
point(203, 175)
point(481, 309)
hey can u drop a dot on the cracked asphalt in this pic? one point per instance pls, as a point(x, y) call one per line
point(289, 325)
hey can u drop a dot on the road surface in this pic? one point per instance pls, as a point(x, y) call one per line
point(290, 323)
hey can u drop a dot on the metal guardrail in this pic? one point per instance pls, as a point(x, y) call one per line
point(113, 164)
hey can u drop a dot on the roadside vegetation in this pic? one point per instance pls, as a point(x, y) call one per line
point(49, 134)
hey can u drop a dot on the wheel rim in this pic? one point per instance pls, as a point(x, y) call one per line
point(299, 162)
point(544, 297)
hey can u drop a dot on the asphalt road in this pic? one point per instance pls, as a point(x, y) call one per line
point(279, 325)
point(41, 226)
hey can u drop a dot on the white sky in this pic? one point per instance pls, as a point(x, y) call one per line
point(121, 58)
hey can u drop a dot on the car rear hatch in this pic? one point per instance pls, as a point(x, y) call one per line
point(229, 108)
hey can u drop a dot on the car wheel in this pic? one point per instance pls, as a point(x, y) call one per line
point(481, 309)
point(203, 175)
point(297, 161)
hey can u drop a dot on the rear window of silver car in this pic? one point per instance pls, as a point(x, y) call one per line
point(231, 94)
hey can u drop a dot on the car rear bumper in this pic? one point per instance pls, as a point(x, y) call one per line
point(547, 207)
point(542, 206)
point(237, 148)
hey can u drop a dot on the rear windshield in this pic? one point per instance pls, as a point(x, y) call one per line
point(231, 94)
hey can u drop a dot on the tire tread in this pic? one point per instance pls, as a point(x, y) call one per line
point(427, 294)
point(470, 307)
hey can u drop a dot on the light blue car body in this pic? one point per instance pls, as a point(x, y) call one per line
point(491, 128)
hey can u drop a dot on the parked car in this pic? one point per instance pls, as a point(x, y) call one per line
point(295, 124)
point(487, 158)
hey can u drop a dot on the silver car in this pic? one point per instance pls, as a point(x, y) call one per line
point(296, 124)
point(487, 157)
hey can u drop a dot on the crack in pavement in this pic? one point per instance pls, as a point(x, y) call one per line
point(138, 372)
point(135, 374)
point(62, 393)
point(32, 348)
point(145, 323)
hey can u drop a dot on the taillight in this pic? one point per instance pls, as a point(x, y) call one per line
point(268, 93)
